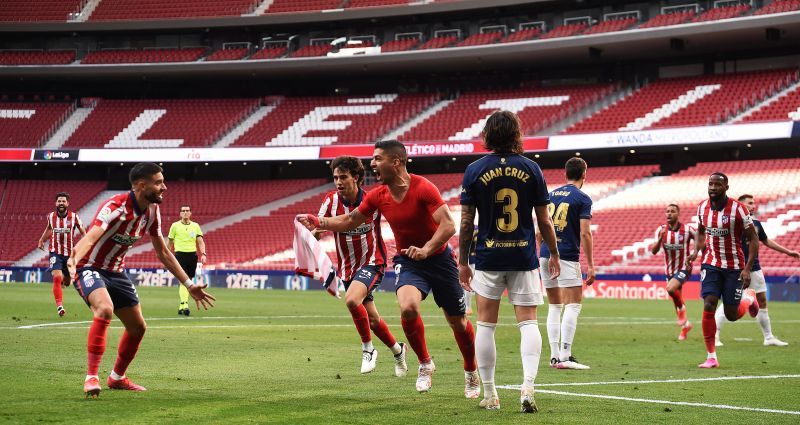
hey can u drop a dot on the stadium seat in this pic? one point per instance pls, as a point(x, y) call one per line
point(39, 10)
point(29, 57)
point(144, 56)
point(129, 10)
point(29, 125)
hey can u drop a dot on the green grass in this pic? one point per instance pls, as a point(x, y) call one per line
point(263, 357)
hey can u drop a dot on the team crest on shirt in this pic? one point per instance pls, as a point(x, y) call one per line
point(489, 243)
point(726, 219)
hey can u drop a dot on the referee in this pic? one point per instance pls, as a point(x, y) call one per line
point(186, 240)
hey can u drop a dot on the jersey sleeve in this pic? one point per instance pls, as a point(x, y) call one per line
point(172, 231)
point(369, 204)
point(324, 209)
point(430, 197)
point(198, 229)
point(155, 224)
point(107, 213)
point(762, 235)
point(467, 195)
point(747, 219)
point(77, 221)
point(50, 220)
point(586, 208)
point(541, 197)
point(659, 229)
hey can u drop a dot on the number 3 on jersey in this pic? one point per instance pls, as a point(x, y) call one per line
point(558, 215)
point(510, 220)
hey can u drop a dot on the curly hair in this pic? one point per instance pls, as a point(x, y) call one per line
point(502, 133)
point(351, 165)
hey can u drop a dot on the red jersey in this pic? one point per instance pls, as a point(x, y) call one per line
point(724, 232)
point(359, 247)
point(62, 239)
point(411, 219)
point(676, 246)
point(123, 224)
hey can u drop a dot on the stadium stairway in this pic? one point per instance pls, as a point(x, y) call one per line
point(70, 125)
point(424, 115)
point(244, 126)
point(754, 113)
point(586, 112)
point(261, 8)
point(88, 9)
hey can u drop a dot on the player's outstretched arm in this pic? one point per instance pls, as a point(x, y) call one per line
point(445, 231)
point(83, 247)
point(45, 236)
point(465, 234)
point(340, 223)
point(167, 258)
point(782, 249)
point(588, 248)
point(548, 233)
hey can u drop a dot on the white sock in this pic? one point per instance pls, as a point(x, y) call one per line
point(90, 377)
point(554, 328)
point(468, 299)
point(763, 321)
point(530, 347)
point(719, 317)
point(367, 346)
point(396, 348)
point(568, 325)
point(115, 376)
point(486, 355)
point(712, 355)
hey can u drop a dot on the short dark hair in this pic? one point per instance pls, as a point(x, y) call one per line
point(394, 148)
point(502, 133)
point(62, 195)
point(350, 164)
point(143, 170)
point(745, 196)
point(718, 173)
point(674, 205)
point(576, 168)
point(186, 206)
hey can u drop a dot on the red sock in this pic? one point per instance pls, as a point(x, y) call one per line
point(415, 333)
point(57, 292)
point(677, 298)
point(128, 346)
point(383, 333)
point(96, 345)
point(466, 343)
point(361, 319)
point(744, 305)
point(709, 329)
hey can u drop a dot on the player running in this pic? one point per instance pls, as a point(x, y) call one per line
point(60, 229)
point(505, 188)
point(722, 223)
point(98, 264)
point(757, 282)
point(422, 225)
point(571, 212)
point(675, 237)
point(361, 255)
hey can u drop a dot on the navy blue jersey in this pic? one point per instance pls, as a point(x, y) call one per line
point(762, 236)
point(504, 189)
point(568, 205)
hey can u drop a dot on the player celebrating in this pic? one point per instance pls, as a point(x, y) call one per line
point(505, 188)
point(757, 282)
point(722, 223)
point(186, 240)
point(98, 263)
point(362, 261)
point(60, 229)
point(571, 212)
point(675, 238)
point(422, 225)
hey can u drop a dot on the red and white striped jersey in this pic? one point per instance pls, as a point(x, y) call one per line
point(724, 231)
point(62, 239)
point(676, 246)
point(123, 224)
point(359, 247)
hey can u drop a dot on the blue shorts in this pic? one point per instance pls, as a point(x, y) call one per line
point(119, 286)
point(438, 274)
point(721, 283)
point(371, 277)
point(58, 262)
point(681, 276)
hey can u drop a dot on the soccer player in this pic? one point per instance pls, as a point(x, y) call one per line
point(422, 225)
point(60, 229)
point(361, 255)
point(186, 240)
point(675, 237)
point(505, 188)
point(571, 213)
point(722, 223)
point(757, 282)
point(97, 265)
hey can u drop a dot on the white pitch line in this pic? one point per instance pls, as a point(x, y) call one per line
point(655, 381)
point(674, 403)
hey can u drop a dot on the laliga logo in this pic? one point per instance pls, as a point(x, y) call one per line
point(48, 155)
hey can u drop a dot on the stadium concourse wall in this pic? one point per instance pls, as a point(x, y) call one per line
point(627, 139)
point(631, 287)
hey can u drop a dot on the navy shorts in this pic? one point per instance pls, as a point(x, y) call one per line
point(437, 274)
point(371, 277)
point(681, 276)
point(58, 262)
point(721, 283)
point(119, 286)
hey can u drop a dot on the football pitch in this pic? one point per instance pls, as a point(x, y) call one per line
point(294, 357)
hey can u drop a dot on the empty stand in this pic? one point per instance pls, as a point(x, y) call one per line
point(29, 57)
point(111, 10)
point(566, 30)
point(612, 25)
point(313, 121)
point(691, 101)
point(779, 6)
point(311, 51)
point(160, 123)
point(537, 108)
point(30, 124)
point(478, 39)
point(228, 55)
point(725, 12)
point(270, 52)
point(144, 56)
point(293, 6)
point(38, 10)
point(400, 45)
point(786, 107)
point(376, 3)
point(671, 18)
point(521, 35)
point(439, 42)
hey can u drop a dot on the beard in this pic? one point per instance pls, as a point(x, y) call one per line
point(153, 197)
